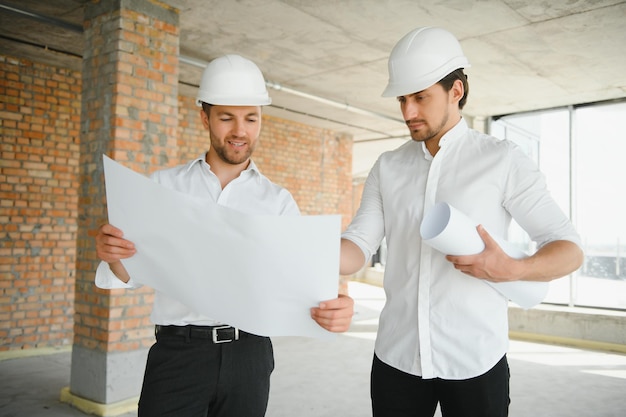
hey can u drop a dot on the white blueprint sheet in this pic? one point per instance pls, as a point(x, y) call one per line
point(451, 232)
point(259, 273)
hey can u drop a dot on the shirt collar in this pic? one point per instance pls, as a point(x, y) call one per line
point(450, 136)
point(453, 134)
point(198, 160)
point(252, 168)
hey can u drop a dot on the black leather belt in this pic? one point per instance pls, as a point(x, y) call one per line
point(217, 334)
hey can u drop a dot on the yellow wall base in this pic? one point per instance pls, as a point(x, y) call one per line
point(566, 341)
point(27, 353)
point(98, 409)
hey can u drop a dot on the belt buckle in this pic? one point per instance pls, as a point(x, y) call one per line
point(216, 339)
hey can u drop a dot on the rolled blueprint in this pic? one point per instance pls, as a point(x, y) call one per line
point(453, 233)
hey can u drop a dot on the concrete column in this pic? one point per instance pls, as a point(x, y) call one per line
point(129, 112)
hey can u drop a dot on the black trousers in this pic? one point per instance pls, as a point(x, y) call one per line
point(188, 375)
point(398, 394)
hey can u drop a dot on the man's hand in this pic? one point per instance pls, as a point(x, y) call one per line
point(111, 245)
point(553, 260)
point(492, 264)
point(334, 315)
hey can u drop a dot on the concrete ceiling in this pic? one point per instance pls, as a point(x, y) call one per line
point(330, 56)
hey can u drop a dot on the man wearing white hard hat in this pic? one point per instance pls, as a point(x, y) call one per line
point(443, 333)
point(199, 366)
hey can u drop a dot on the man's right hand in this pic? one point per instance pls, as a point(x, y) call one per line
point(111, 245)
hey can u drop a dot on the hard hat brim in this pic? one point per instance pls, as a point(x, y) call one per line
point(230, 101)
point(403, 88)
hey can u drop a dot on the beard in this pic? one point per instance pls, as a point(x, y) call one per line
point(429, 132)
point(229, 155)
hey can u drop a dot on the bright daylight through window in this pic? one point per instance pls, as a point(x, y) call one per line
point(581, 152)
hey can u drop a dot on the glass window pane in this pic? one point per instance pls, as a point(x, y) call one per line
point(600, 142)
point(545, 138)
point(598, 177)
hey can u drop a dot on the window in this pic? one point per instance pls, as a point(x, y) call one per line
point(581, 152)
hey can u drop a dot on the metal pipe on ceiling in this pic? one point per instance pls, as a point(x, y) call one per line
point(199, 63)
point(23, 12)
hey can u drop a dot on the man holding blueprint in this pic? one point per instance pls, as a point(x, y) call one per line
point(443, 334)
point(200, 366)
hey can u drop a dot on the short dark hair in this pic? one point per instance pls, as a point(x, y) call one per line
point(448, 81)
point(206, 107)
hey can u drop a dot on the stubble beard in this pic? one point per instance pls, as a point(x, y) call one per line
point(428, 133)
point(229, 156)
point(235, 158)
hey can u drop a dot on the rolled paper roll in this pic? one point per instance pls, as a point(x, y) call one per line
point(451, 232)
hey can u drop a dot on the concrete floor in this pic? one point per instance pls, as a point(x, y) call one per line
point(330, 378)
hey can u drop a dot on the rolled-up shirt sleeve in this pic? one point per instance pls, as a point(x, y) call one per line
point(367, 229)
point(106, 279)
point(531, 205)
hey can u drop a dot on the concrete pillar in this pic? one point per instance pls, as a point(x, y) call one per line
point(129, 112)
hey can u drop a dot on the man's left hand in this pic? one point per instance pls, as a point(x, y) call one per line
point(334, 315)
point(492, 264)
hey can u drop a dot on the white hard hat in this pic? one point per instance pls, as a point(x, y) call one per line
point(232, 80)
point(422, 58)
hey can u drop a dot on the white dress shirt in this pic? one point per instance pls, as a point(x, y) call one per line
point(250, 193)
point(438, 322)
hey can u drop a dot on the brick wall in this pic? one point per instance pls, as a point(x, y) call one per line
point(192, 139)
point(357, 193)
point(39, 126)
point(39, 170)
point(313, 164)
